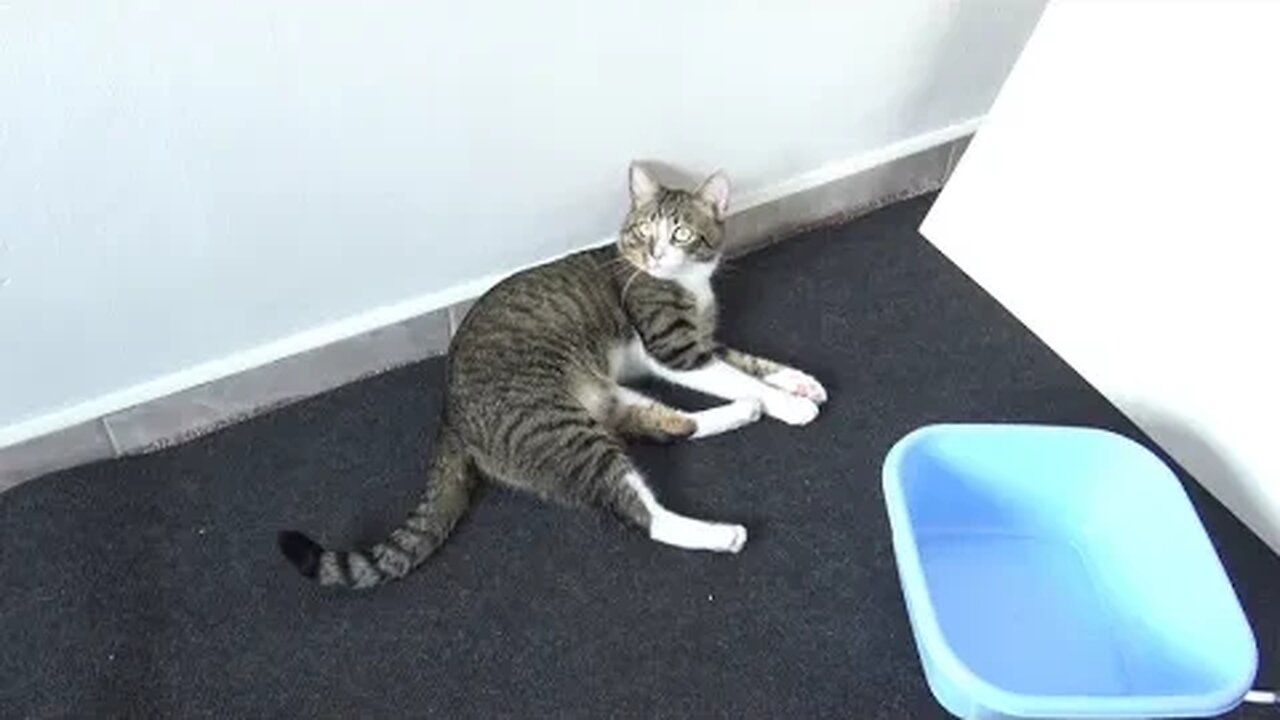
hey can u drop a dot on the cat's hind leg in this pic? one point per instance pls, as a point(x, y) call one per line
point(633, 414)
point(628, 495)
point(586, 465)
point(673, 528)
point(638, 415)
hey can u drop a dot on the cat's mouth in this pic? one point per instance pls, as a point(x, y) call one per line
point(663, 270)
point(680, 270)
point(650, 266)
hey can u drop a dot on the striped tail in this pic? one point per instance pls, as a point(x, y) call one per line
point(448, 494)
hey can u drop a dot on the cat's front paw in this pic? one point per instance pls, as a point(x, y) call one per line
point(736, 414)
point(791, 409)
point(798, 383)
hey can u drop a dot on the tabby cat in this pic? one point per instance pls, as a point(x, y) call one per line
point(534, 398)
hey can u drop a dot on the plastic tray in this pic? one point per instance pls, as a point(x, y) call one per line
point(1061, 572)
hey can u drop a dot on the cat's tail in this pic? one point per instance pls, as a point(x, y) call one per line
point(448, 494)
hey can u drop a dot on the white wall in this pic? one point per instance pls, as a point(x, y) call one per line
point(185, 182)
point(1122, 202)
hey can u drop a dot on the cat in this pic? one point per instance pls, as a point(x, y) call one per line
point(534, 399)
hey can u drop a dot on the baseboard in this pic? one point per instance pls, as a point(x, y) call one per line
point(203, 398)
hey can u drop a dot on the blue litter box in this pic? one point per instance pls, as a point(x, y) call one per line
point(1061, 572)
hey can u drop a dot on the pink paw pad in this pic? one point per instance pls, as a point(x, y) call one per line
point(798, 383)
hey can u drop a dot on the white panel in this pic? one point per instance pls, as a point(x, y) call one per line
point(1120, 199)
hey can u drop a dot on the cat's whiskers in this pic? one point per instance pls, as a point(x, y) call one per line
point(616, 261)
point(726, 264)
point(627, 284)
point(620, 266)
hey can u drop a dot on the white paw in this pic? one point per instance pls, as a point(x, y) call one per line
point(735, 538)
point(672, 529)
point(746, 410)
point(798, 383)
point(732, 416)
point(791, 409)
point(752, 409)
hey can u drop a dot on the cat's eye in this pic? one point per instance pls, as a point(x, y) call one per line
point(683, 234)
point(645, 228)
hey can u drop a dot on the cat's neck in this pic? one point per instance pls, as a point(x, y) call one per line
point(697, 282)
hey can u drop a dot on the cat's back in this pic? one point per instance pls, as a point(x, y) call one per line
point(562, 308)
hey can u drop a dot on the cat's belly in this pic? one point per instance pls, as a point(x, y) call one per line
point(628, 360)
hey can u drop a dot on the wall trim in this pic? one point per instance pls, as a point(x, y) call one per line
point(860, 163)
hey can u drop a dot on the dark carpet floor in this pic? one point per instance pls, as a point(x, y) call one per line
point(151, 587)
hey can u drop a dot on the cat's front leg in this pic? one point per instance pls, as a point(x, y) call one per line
point(787, 379)
point(717, 377)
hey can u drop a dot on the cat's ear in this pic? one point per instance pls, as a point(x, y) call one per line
point(715, 191)
point(644, 187)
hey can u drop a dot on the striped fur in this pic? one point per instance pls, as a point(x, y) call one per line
point(532, 398)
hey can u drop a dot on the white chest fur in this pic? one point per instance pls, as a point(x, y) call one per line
point(701, 291)
point(697, 282)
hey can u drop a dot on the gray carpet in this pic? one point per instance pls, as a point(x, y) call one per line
point(152, 587)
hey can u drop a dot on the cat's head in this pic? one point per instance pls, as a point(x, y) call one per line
point(672, 233)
